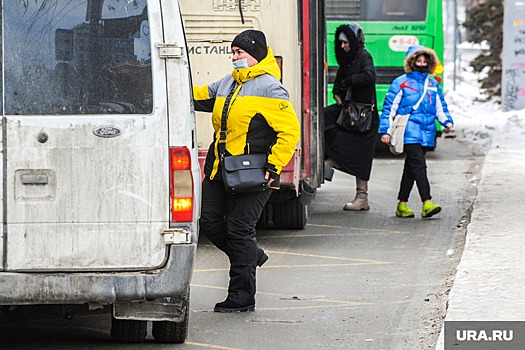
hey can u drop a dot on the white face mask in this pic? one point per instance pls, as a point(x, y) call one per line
point(240, 63)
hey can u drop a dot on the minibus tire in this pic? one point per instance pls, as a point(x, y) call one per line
point(172, 332)
point(128, 331)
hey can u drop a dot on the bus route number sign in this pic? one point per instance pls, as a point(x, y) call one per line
point(401, 43)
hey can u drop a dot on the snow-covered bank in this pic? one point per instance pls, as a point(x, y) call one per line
point(474, 119)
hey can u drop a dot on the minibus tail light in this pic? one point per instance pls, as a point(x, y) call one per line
point(181, 185)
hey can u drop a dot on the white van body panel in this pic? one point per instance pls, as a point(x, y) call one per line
point(103, 194)
point(97, 198)
point(86, 203)
point(182, 131)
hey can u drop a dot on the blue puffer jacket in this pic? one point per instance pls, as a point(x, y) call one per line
point(404, 92)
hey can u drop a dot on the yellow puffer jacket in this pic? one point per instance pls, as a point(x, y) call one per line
point(260, 117)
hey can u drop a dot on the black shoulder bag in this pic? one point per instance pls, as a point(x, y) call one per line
point(355, 116)
point(243, 173)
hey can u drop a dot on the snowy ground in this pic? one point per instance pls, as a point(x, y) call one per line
point(474, 120)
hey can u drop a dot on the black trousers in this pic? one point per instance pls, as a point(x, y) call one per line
point(414, 170)
point(229, 223)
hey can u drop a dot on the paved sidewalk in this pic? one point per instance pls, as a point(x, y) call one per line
point(490, 279)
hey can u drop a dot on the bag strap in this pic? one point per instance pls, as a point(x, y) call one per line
point(416, 106)
point(425, 89)
point(224, 118)
point(348, 96)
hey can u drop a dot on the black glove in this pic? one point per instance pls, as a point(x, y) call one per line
point(273, 175)
point(276, 179)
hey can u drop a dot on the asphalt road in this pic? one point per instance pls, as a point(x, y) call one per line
point(364, 280)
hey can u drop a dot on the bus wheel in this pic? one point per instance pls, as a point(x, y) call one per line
point(128, 331)
point(290, 214)
point(172, 332)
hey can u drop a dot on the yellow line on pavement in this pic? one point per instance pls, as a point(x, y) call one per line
point(309, 307)
point(309, 235)
point(211, 270)
point(342, 301)
point(356, 262)
point(322, 265)
point(349, 304)
point(374, 231)
point(339, 302)
point(297, 266)
point(225, 288)
point(210, 346)
point(206, 286)
point(327, 257)
point(333, 303)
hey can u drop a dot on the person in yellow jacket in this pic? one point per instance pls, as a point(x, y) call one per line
point(260, 119)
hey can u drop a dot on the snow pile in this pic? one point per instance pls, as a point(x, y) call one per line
point(474, 119)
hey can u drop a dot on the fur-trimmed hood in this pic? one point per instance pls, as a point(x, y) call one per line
point(413, 52)
point(356, 38)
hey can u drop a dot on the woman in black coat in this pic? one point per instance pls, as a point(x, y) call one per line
point(352, 151)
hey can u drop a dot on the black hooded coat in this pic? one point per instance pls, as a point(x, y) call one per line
point(353, 151)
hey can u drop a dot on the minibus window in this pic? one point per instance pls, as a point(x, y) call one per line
point(68, 57)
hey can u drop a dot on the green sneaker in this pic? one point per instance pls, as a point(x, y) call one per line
point(430, 209)
point(403, 211)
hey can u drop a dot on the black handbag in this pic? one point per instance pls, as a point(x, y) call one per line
point(243, 173)
point(355, 116)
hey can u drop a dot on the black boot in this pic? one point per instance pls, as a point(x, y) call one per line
point(262, 257)
point(231, 306)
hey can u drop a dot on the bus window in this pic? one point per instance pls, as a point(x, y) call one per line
point(401, 10)
point(390, 27)
point(379, 10)
point(343, 8)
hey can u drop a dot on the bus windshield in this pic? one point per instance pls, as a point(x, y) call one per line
point(378, 10)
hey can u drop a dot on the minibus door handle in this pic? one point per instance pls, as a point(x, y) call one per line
point(40, 179)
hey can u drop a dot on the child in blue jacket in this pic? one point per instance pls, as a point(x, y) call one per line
point(403, 94)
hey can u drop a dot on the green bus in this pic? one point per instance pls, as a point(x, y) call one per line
point(390, 27)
